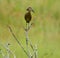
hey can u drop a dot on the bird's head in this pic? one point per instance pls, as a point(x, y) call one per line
point(30, 9)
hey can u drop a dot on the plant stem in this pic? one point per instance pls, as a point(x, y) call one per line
point(17, 40)
point(27, 40)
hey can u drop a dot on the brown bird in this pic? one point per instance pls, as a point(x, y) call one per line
point(28, 15)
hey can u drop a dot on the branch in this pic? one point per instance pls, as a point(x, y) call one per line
point(28, 40)
point(26, 30)
point(1, 52)
point(17, 40)
point(35, 52)
point(8, 51)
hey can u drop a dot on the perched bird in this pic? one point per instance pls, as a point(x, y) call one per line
point(28, 15)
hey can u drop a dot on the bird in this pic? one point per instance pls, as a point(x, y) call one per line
point(28, 15)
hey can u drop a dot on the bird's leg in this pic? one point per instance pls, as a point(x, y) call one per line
point(27, 27)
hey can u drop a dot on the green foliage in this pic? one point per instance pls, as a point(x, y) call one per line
point(45, 31)
point(56, 15)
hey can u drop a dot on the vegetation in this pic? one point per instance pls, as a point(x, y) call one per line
point(45, 31)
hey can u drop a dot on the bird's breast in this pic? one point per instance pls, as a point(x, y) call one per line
point(28, 17)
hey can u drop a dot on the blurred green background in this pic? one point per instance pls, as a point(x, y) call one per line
point(45, 31)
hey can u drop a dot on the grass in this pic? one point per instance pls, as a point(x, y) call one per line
point(45, 31)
